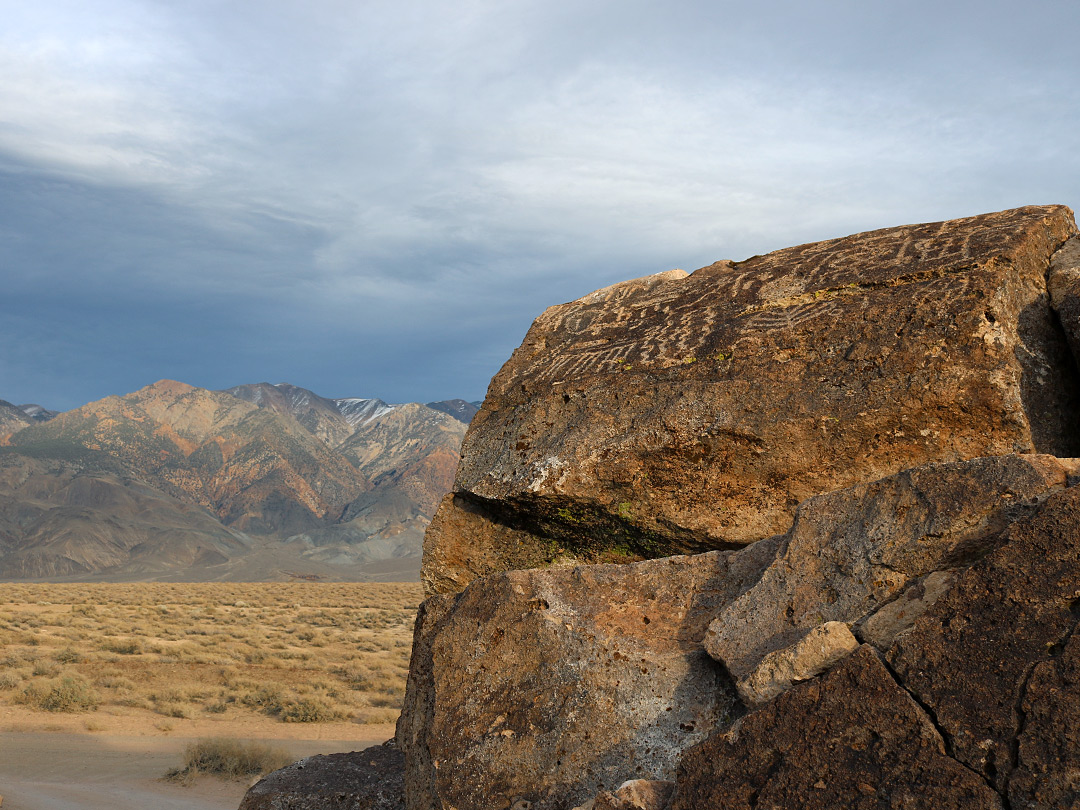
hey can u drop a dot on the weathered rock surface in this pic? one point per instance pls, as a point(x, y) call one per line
point(371, 779)
point(814, 653)
point(676, 413)
point(979, 698)
point(904, 638)
point(969, 659)
point(1064, 286)
point(549, 687)
point(1047, 772)
point(852, 551)
point(636, 794)
point(852, 739)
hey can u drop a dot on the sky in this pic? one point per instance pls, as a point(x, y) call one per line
point(371, 198)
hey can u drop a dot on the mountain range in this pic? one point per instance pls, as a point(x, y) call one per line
point(255, 482)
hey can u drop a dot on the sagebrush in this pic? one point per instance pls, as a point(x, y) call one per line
point(297, 652)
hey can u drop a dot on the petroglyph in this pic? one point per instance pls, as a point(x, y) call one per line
point(683, 412)
point(672, 319)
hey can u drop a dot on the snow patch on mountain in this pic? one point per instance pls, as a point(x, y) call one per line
point(358, 411)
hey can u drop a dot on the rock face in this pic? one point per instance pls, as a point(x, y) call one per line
point(551, 686)
point(1064, 286)
point(363, 780)
point(852, 551)
point(870, 446)
point(680, 412)
point(974, 705)
point(969, 659)
point(852, 739)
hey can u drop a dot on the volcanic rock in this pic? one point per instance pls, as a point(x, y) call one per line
point(970, 658)
point(636, 794)
point(549, 687)
point(675, 413)
point(363, 780)
point(853, 738)
point(1063, 283)
point(1048, 746)
point(852, 551)
point(808, 657)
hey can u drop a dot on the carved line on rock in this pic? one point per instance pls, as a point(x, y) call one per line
point(688, 324)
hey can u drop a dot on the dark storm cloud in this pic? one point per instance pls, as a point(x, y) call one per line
point(376, 198)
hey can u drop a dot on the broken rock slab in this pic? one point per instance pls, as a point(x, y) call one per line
point(548, 687)
point(636, 794)
point(676, 413)
point(372, 779)
point(853, 551)
point(997, 644)
point(807, 658)
point(852, 738)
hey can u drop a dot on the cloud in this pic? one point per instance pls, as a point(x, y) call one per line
point(377, 198)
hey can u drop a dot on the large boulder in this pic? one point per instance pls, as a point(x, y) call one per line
point(971, 658)
point(855, 550)
point(679, 413)
point(975, 704)
point(549, 687)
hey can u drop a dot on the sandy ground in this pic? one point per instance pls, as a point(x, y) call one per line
point(118, 766)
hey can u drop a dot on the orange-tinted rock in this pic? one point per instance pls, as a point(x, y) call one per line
point(677, 413)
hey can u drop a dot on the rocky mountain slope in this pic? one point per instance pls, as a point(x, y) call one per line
point(12, 419)
point(228, 471)
point(871, 443)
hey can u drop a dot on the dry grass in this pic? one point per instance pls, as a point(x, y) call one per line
point(229, 759)
point(297, 652)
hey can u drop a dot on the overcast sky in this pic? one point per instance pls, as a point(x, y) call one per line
point(376, 198)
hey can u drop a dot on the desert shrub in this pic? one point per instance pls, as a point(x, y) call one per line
point(170, 709)
point(46, 668)
point(117, 682)
point(9, 680)
point(387, 701)
point(377, 716)
point(230, 759)
point(219, 706)
point(70, 694)
point(129, 646)
point(309, 710)
point(68, 656)
point(267, 698)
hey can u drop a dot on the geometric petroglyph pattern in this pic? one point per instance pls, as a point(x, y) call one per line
point(672, 318)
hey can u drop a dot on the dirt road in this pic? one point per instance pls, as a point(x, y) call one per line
point(66, 771)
